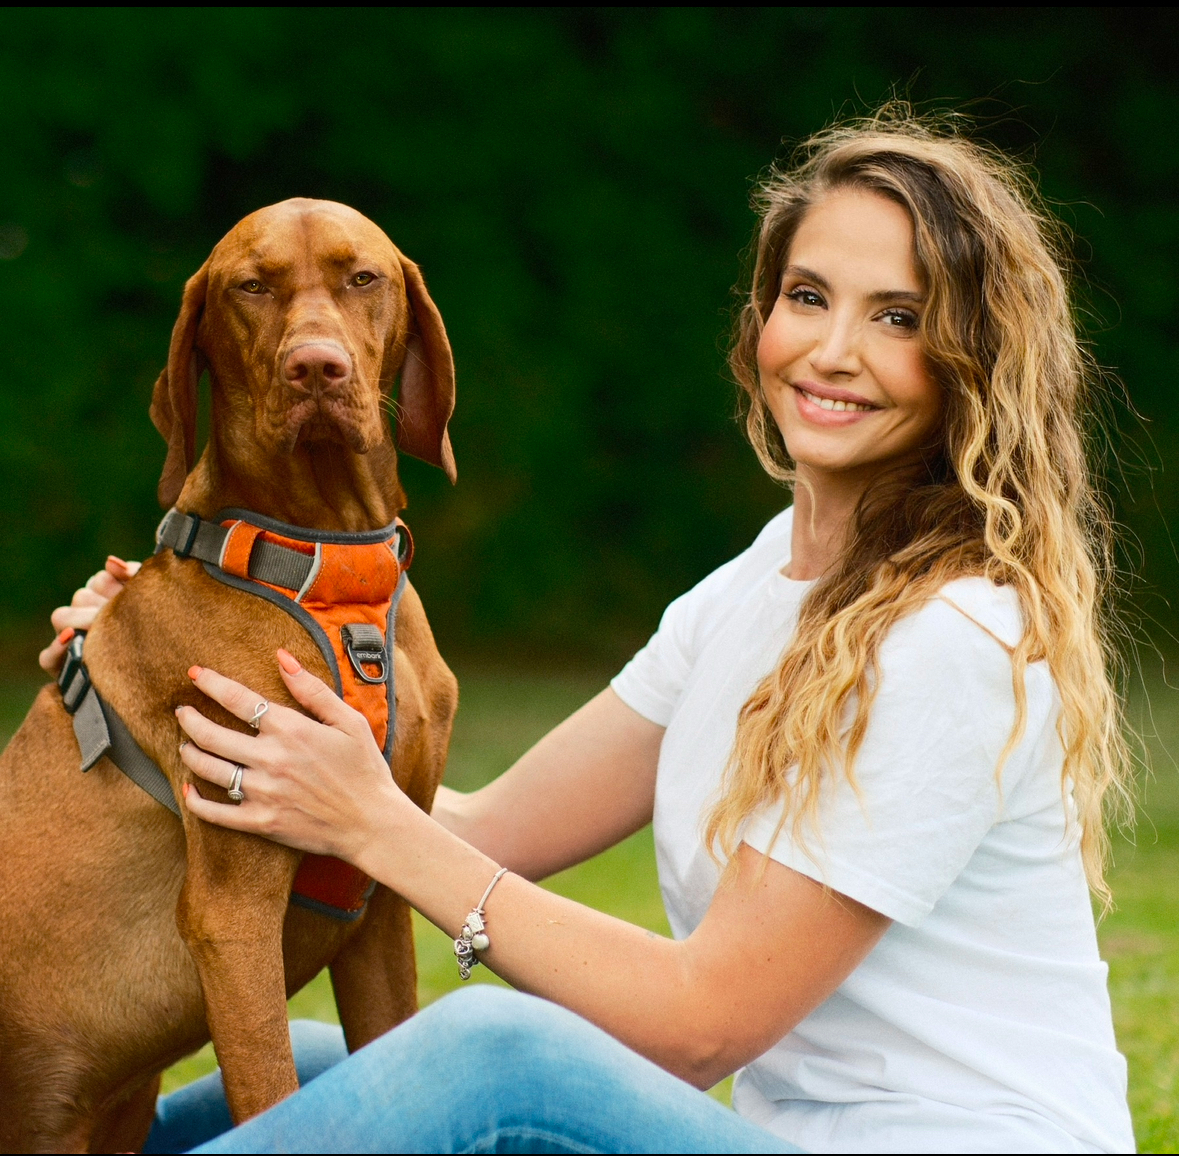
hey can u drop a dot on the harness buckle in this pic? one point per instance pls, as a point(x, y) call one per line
point(74, 679)
point(194, 525)
point(365, 644)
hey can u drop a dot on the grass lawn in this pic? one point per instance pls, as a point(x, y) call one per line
point(504, 711)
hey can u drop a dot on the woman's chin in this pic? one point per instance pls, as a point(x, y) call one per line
point(826, 455)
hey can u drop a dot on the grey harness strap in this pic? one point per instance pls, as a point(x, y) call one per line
point(100, 731)
point(190, 536)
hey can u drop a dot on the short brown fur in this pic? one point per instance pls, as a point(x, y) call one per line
point(130, 937)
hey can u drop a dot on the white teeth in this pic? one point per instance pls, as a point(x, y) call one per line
point(837, 406)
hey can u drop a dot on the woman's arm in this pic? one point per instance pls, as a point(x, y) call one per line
point(585, 786)
point(773, 945)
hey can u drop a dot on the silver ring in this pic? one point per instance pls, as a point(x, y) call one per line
point(259, 711)
point(235, 784)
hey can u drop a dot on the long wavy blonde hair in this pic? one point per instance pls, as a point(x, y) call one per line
point(1006, 493)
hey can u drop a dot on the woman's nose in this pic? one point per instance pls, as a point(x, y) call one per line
point(837, 352)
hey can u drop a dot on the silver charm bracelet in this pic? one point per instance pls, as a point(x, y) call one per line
point(473, 936)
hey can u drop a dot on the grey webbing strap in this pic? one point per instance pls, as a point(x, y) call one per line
point(100, 731)
point(190, 536)
point(279, 565)
point(128, 756)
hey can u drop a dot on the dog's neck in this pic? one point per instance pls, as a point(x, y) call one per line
point(322, 486)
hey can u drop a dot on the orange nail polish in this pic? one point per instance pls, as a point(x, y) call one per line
point(184, 789)
point(66, 635)
point(195, 671)
point(288, 661)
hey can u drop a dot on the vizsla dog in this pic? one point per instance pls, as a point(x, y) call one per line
point(130, 935)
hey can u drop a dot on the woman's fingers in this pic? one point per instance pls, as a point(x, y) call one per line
point(121, 571)
point(237, 699)
point(85, 605)
point(219, 740)
point(75, 617)
point(237, 818)
point(313, 693)
point(103, 584)
point(208, 767)
point(88, 598)
point(50, 659)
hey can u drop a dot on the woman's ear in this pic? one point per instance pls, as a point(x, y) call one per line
point(426, 398)
point(174, 401)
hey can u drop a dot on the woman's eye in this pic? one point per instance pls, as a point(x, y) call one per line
point(900, 319)
point(362, 279)
point(805, 296)
point(252, 286)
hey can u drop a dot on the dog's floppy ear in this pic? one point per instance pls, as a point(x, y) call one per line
point(174, 402)
point(426, 399)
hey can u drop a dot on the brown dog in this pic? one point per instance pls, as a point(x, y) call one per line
point(130, 936)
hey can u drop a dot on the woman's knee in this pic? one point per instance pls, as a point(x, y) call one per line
point(486, 1013)
point(507, 1032)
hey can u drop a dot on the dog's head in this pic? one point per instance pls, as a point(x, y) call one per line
point(305, 315)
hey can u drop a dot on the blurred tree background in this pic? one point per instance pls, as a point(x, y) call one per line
point(575, 184)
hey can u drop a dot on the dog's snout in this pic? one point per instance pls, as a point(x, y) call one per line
point(322, 364)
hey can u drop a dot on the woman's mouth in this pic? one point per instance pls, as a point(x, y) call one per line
point(830, 411)
point(834, 405)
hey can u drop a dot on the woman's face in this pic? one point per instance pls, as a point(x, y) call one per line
point(840, 357)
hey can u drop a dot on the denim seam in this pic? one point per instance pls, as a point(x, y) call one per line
point(489, 1142)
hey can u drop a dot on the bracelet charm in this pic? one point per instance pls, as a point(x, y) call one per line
point(473, 936)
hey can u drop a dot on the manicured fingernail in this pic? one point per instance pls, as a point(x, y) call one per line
point(183, 744)
point(184, 790)
point(288, 661)
point(194, 672)
point(66, 635)
point(177, 710)
point(116, 559)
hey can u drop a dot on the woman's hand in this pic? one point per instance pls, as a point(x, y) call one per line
point(83, 607)
point(318, 786)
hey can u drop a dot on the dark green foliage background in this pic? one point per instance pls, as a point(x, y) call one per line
point(575, 185)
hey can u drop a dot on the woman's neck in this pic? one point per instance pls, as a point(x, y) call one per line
point(823, 508)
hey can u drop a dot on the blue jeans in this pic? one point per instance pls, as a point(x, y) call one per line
point(483, 1070)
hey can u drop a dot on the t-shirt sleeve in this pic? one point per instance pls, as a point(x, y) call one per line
point(652, 682)
point(926, 773)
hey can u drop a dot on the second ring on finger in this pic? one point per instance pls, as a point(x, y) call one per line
point(211, 768)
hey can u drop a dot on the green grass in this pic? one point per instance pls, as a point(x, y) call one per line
point(505, 711)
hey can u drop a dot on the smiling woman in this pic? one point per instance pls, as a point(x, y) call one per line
point(874, 749)
point(841, 365)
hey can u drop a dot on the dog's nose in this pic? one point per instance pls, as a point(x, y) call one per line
point(317, 363)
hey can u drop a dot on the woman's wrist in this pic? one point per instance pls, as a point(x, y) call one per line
point(385, 826)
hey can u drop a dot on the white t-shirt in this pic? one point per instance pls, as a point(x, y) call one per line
point(981, 1021)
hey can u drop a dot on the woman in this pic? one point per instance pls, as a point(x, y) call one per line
point(874, 746)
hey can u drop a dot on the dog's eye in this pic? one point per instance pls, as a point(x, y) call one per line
point(253, 285)
point(363, 279)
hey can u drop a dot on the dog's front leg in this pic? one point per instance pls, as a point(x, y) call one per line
point(230, 914)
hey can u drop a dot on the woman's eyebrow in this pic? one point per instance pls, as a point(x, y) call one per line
point(881, 296)
point(890, 295)
point(807, 275)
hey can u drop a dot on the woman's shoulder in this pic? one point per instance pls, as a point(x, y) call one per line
point(768, 552)
point(988, 606)
point(960, 641)
point(968, 624)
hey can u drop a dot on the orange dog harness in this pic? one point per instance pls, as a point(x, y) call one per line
point(342, 589)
